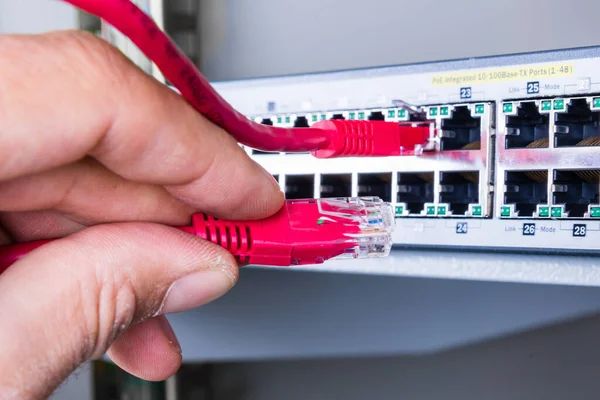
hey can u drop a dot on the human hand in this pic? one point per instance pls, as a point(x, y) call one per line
point(93, 149)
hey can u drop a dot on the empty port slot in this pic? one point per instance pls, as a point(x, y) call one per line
point(265, 121)
point(276, 177)
point(576, 189)
point(336, 185)
point(415, 189)
point(379, 185)
point(338, 116)
point(577, 124)
point(459, 190)
point(301, 122)
point(299, 186)
point(528, 128)
point(461, 131)
point(526, 189)
point(376, 116)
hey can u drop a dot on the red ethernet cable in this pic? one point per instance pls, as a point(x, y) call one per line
point(324, 139)
point(302, 232)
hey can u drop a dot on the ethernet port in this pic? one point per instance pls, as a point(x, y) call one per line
point(338, 116)
point(379, 185)
point(376, 116)
point(299, 187)
point(336, 185)
point(528, 128)
point(576, 189)
point(461, 131)
point(459, 190)
point(301, 122)
point(577, 126)
point(415, 189)
point(265, 121)
point(526, 189)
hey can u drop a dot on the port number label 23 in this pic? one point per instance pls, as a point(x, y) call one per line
point(528, 229)
point(533, 87)
point(466, 93)
point(579, 230)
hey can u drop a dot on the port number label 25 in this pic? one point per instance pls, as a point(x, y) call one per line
point(579, 230)
point(533, 87)
point(466, 93)
point(528, 229)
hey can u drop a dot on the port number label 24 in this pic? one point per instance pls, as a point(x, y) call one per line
point(462, 228)
point(528, 229)
point(579, 230)
point(466, 93)
point(533, 87)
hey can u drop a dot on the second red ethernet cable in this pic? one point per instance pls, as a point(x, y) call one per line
point(302, 232)
point(325, 140)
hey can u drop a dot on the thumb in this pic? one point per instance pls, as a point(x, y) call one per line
point(68, 301)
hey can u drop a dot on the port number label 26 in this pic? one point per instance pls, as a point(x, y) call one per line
point(533, 87)
point(528, 229)
point(579, 230)
point(466, 93)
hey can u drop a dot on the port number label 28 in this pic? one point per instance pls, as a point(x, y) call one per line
point(462, 228)
point(466, 93)
point(533, 87)
point(579, 230)
point(528, 229)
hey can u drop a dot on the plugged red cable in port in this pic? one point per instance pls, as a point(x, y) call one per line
point(342, 139)
point(302, 232)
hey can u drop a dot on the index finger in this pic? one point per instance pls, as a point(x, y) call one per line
point(67, 95)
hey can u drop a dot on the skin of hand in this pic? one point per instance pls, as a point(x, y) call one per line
point(97, 153)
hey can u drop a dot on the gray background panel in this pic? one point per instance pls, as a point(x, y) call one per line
point(247, 38)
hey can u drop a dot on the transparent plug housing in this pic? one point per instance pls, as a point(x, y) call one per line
point(346, 228)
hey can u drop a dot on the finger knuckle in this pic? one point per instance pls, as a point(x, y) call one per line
point(92, 57)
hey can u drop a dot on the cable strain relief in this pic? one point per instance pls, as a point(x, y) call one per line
point(234, 236)
point(359, 139)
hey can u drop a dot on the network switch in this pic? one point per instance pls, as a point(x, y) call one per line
point(515, 163)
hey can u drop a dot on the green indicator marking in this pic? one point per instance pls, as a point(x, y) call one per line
point(399, 210)
point(442, 210)
point(288, 119)
point(361, 115)
point(402, 114)
point(546, 105)
point(352, 115)
point(279, 120)
point(595, 212)
point(507, 108)
point(430, 210)
point(559, 104)
point(391, 114)
point(544, 212)
point(315, 118)
point(433, 111)
point(320, 221)
point(477, 211)
point(479, 109)
point(505, 212)
point(444, 111)
point(596, 102)
point(556, 212)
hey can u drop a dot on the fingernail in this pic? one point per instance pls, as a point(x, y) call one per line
point(167, 330)
point(196, 290)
